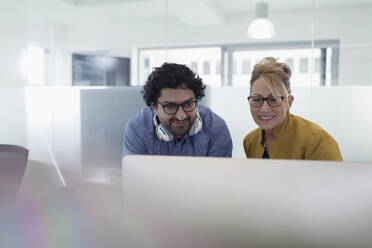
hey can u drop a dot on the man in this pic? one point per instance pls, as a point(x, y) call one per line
point(173, 123)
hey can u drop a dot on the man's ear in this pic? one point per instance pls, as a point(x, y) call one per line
point(154, 107)
point(290, 101)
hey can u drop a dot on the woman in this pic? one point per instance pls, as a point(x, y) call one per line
point(282, 135)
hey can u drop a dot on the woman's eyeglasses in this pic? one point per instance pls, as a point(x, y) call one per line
point(258, 101)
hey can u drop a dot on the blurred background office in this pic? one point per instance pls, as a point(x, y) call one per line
point(71, 70)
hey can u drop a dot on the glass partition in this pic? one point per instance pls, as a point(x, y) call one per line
point(71, 73)
point(55, 53)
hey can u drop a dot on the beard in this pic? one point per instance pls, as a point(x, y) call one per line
point(179, 128)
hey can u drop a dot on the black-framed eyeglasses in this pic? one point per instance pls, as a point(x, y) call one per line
point(172, 108)
point(258, 101)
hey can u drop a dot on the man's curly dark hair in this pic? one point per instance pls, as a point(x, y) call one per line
point(171, 75)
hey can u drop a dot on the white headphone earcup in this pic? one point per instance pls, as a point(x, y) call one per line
point(163, 133)
point(197, 126)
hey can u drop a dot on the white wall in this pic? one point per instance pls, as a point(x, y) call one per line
point(13, 116)
point(52, 36)
point(61, 56)
point(17, 34)
point(348, 24)
point(53, 126)
point(13, 40)
point(113, 38)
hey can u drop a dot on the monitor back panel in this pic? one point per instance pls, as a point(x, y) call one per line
point(220, 202)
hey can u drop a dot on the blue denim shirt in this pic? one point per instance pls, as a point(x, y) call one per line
point(213, 140)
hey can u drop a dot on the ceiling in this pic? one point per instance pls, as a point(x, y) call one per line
point(192, 12)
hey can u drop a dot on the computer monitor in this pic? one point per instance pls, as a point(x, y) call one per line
point(221, 202)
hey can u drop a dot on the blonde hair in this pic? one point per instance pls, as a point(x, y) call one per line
point(276, 75)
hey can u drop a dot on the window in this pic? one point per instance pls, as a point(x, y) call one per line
point(146, 66)
point(194, 66)
point(284, 55)
point(246, 66)
point(234, 62)
point(317, 65)
point(235, 67)
point(206, 68)
point(289, 62)
point(304, 65)
point(199, 58)
point(218, 67)
point(92, 70)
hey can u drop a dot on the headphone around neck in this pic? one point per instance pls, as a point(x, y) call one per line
point(164, 134)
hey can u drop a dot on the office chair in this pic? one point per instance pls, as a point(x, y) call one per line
point(13, 160)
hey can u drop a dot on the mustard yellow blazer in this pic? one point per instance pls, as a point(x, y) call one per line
point(297, 138)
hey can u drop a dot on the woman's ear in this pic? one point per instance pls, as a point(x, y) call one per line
point(290, 101)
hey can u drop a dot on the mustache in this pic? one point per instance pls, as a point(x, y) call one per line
point(176, 119)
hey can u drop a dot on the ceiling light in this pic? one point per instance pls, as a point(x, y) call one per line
point(261, 27)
